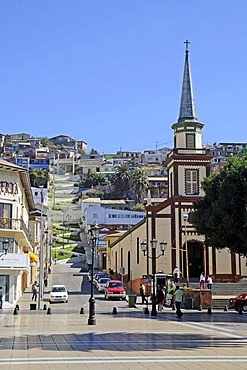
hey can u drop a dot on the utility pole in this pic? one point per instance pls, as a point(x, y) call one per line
point(41, 256)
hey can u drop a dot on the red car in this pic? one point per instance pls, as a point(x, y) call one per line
point(114, 289)
point(239, 302)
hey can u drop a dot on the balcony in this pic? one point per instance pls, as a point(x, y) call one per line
point(15, 228)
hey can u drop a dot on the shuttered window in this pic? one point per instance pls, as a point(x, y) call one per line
point(191, 182)
point(190, 141)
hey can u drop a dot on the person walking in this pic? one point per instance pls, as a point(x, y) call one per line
point(34, 291)
point(46, 281)
point(178, 300)
point(142, 291)
point(176, 275)
point(202, 281)
point(1, 297)
point(172, 292)
point(160, 298)
point(209, 282)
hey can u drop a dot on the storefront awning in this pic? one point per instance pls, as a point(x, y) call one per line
point(33, 257)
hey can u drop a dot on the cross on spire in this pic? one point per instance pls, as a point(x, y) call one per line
point(187, 45)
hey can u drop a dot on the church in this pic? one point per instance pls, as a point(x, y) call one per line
point(166, 238)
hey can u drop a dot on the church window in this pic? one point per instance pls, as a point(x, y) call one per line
point(190, 141)
point(191, 182)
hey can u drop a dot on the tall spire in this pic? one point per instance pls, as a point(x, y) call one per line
point(187, 104)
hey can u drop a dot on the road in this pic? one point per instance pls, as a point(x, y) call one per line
point(128, 340)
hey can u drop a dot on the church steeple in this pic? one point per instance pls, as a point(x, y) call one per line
point(187, 104)
point(187, 130)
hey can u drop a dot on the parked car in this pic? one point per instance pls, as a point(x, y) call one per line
point(101, 283)
point(58, 293)
point(97, 276)
point(115, 289)
point(239, 302)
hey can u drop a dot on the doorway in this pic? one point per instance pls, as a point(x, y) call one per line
point(195, 260)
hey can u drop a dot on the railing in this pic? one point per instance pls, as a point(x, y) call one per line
point(14, 224)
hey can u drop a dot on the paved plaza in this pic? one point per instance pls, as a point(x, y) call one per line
point(129, 339)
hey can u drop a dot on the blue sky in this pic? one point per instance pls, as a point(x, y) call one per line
point(109, 72)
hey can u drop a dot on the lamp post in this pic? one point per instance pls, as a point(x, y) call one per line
point(63, 212)
point(94, 237)
point(41, 251)
point(5, 243)
point(163, 246)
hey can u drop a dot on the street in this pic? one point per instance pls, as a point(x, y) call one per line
point(127, 340)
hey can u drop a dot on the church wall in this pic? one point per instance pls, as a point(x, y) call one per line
point(223, 262)
point(163, 232)
point(243, 266)
point(129, 244)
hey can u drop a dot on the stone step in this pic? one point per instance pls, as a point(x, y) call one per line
point(220, 303)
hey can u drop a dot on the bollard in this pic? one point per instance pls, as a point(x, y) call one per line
point(114, 311)
point(17, 307)
point(200, 307)
point(48, 311)
point(225, 308)
point(15, 311)
point(209, 311)
point(44, 308)
point(82, 311)
point(173, 307)
point(146, 311)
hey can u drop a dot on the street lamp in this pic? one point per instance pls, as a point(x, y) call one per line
point(94, 237)
point(163, 246)
point(5, 243)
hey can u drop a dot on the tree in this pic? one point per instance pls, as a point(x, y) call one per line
point(38, 177)
point(121, 180)
point(139, 182)
point(94, 179)
point(138, 207)
point(221, 215)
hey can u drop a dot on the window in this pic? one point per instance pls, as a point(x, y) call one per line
point(191, 182)
point(5, 210)
point(137, 251)
point(190, 141)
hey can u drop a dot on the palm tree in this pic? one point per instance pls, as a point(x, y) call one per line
point(139, 182)
point(121, 180)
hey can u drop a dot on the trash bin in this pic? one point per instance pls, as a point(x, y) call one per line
point(189, 303)
point(132, 300)
point(33, 306)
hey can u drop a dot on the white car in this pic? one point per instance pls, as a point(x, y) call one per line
point(58, 293)
point(101, 284)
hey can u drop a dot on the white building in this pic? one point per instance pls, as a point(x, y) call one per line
point(16, 201)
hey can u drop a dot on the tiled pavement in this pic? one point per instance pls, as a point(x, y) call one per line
point(128, 340)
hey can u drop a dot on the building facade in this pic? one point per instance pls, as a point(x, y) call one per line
point(18, 247)
point(188, 163)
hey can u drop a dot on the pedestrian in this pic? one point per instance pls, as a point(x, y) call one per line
point(160, 298)
point(172, 292)
point(1, 297)
point(142, 291)
point(202, 281)
point(209, 282)
point(34, 291)
point(178, 300)
point(46, 281)
point(49, 269)
point(176, 274)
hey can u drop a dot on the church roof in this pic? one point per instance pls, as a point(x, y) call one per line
point(187, 104)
